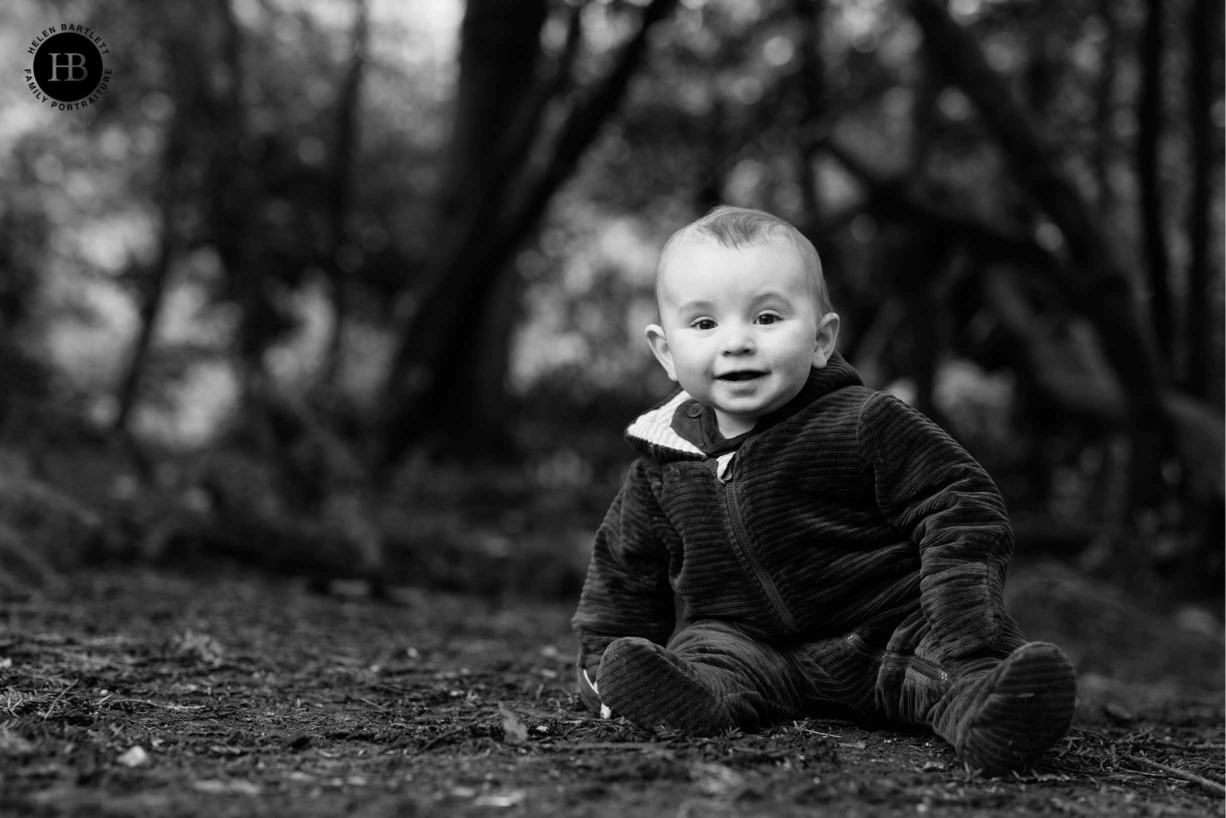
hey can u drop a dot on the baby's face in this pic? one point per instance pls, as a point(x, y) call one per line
point(740, 329)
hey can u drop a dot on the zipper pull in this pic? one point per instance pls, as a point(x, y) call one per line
point(723, 467)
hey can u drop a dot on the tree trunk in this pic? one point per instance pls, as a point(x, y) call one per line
point(1105, 289)
point(922, 257)
point(1149, 137)
point(1104, 108)
point(498, 60)
point(499, 47)
point(433, 369)
point(152, 292)
point(439, 347)
point(340, 195)
point(813, 89)
point(230, 201)
point(1203, 28)
point(1042, 75)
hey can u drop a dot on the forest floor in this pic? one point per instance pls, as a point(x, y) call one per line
point(142, 692)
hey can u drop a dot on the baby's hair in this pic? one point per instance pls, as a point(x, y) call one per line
point(738, 227)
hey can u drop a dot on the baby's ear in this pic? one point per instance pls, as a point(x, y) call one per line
point(659, 347)
point(827, 339)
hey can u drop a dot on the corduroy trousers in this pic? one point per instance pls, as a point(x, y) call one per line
point(904, 679)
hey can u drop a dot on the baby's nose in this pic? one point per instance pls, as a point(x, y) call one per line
point(737, 341)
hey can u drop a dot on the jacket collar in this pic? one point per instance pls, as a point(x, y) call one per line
point(667, 431)
point(653, 431)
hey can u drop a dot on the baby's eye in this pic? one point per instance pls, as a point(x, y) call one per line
point(702, 323)
point(769, 318)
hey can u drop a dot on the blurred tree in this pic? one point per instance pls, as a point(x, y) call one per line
point(1151, 117)
point(349, 216)
point(1203, 23)
point(151, 281)
point(455, 347)
point(448, 373)
point(25, 381)
point(339, 248)
point(1102, 281)
point(1103, 105)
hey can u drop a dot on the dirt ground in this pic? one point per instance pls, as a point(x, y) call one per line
point(156, 693)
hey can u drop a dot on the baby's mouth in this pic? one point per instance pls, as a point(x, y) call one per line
point(742, 375)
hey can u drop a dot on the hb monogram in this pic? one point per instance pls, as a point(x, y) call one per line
point(74, 62)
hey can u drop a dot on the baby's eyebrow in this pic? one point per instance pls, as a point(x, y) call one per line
point(695, 305)
point(770, 295)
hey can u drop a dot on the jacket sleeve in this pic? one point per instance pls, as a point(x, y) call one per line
point(626, 592)
point(932, 490)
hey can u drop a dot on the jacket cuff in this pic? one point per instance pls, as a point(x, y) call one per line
point(963, 605)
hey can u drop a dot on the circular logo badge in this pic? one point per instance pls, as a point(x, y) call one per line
point(68, 67)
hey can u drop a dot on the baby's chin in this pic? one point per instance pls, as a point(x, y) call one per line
point(755, 408)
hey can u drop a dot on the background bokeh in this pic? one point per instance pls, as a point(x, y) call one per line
point(357, 287)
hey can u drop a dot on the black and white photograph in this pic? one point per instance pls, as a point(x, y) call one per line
point(612, 408)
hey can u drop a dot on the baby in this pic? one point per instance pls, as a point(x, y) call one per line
point(834, 552)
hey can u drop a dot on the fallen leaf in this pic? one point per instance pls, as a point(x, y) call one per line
point(134, 757)
point(501, 799)
point(226, 750)
point(716, 779)
point(12, 744)
point(213, 786)
point(199, 647)
point(513, 727)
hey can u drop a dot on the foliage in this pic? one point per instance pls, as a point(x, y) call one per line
point(273, 250)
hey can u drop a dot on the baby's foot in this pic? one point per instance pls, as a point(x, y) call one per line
point(651, 686)
point(1018, 711)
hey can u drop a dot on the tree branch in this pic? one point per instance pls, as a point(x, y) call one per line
point(1105, 286)
point(894, 200)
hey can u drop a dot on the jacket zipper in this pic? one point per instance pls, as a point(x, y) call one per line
point(740, 541)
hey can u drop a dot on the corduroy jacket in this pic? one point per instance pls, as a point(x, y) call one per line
point(838, 513)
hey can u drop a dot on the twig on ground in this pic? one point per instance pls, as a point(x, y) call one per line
point(57, 698)
point(585, 746)
point(397, 689)
point(1137, 737)
point(444, 736)
point(1175, 772)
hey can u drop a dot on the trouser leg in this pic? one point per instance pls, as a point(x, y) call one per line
point(1001, 708)
point(919, 680)
point(711, 677)
point(897, 677)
